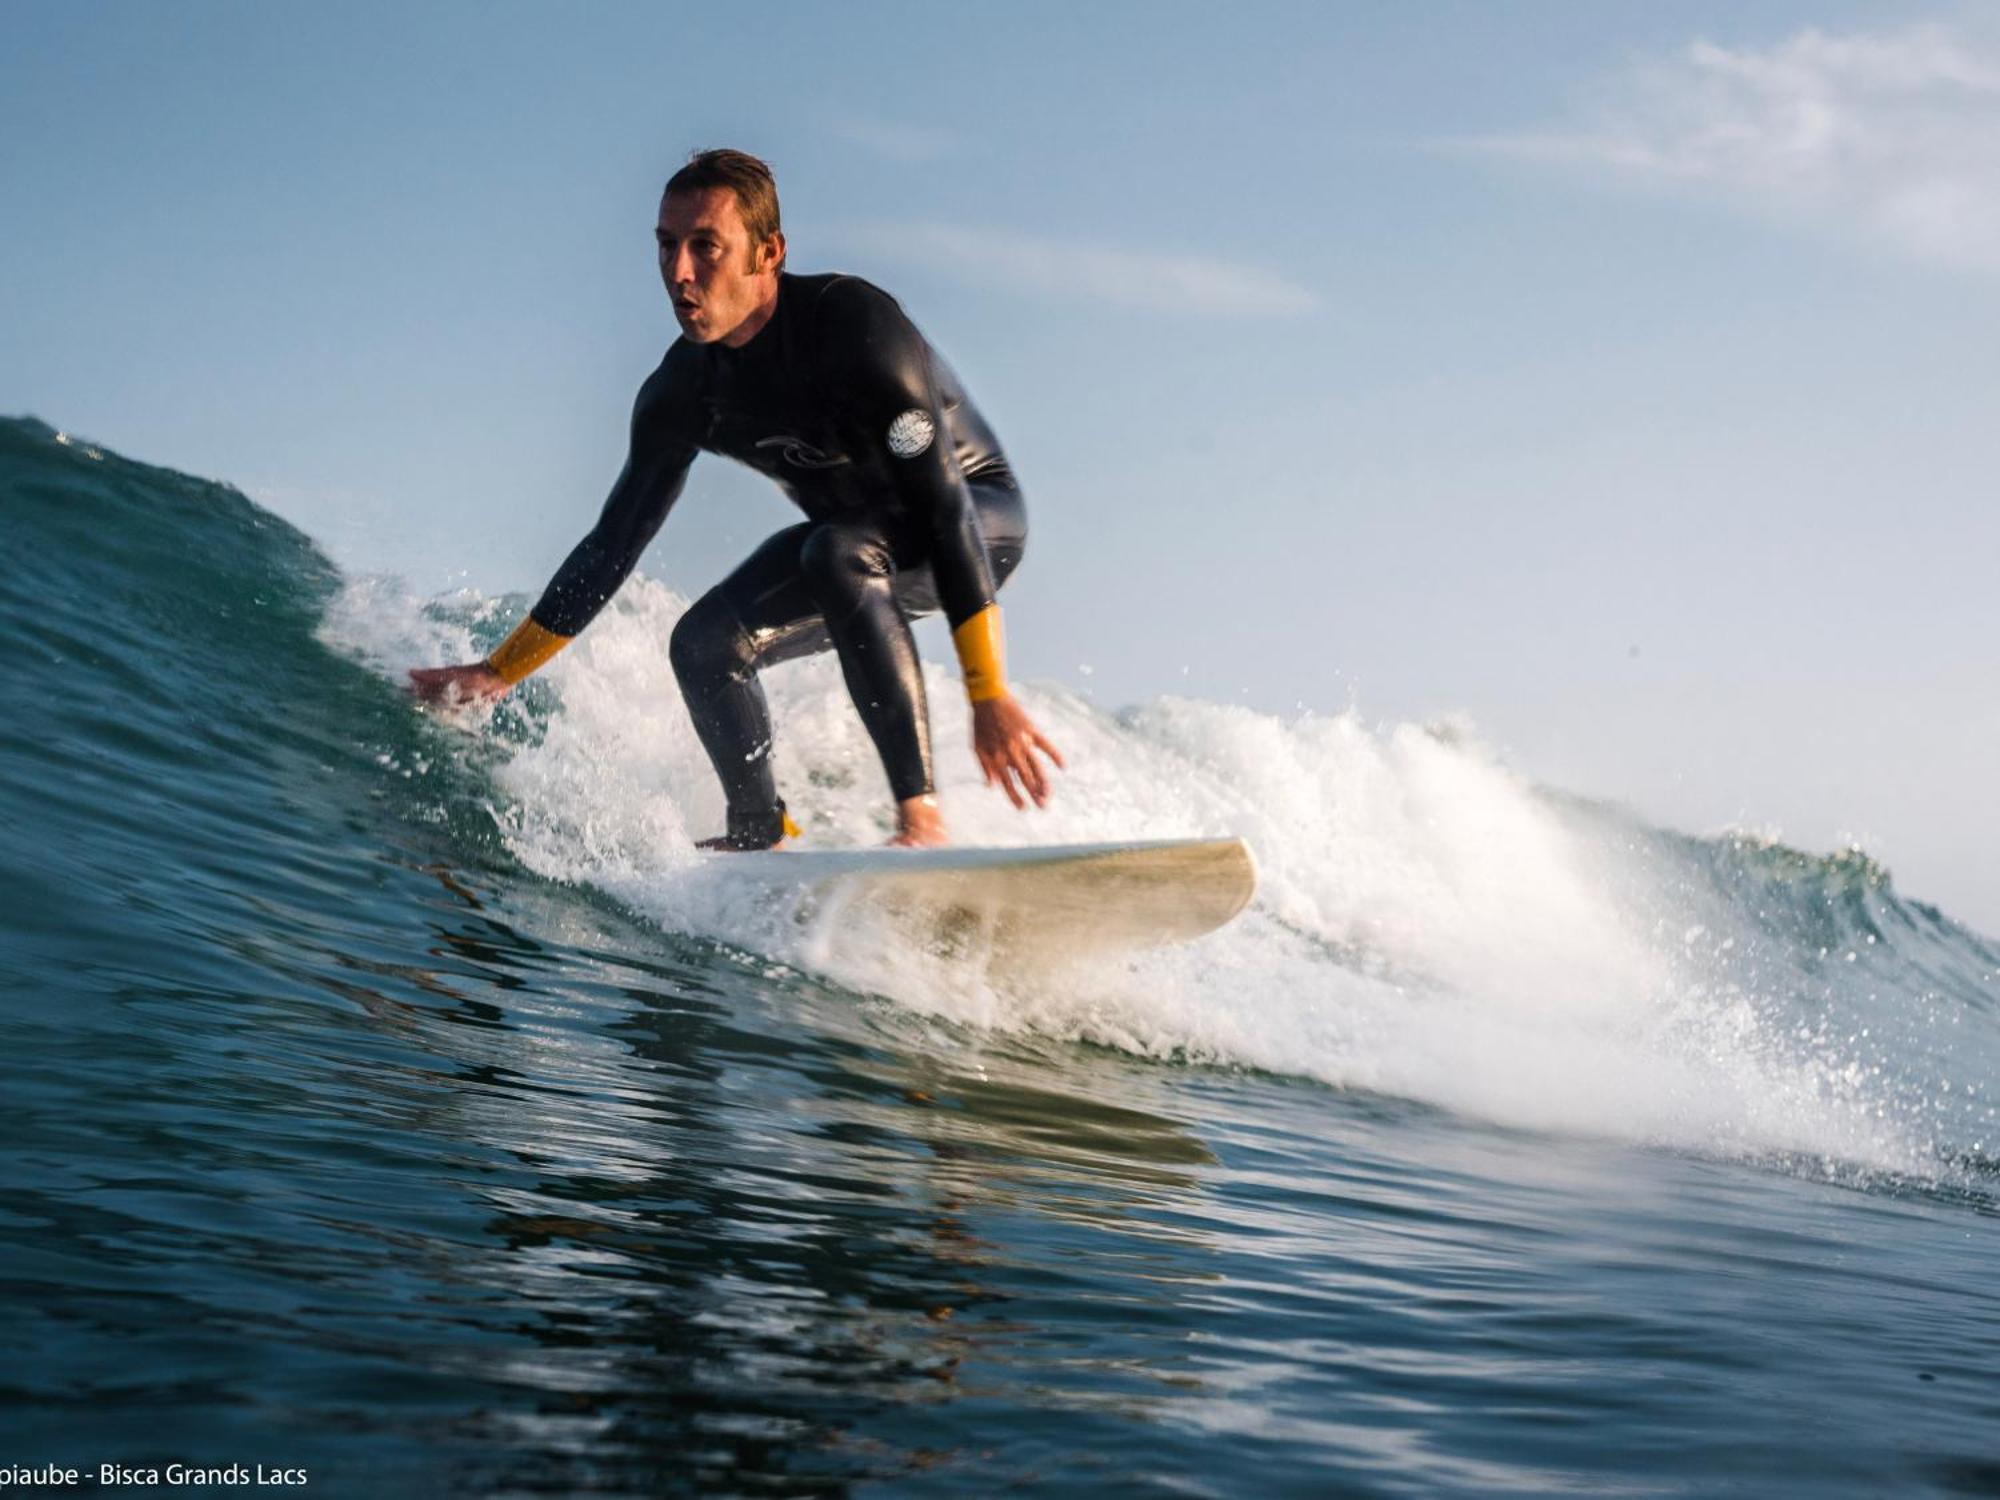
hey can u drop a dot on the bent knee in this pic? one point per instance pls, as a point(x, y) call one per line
point(841, 563)
point(708, 642)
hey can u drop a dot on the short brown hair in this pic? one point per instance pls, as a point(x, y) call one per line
point(744, 175)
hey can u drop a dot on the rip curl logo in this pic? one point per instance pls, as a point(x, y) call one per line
point(802, 454)
point(911, 433)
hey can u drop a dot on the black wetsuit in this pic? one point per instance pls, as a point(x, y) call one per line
point(911, 507)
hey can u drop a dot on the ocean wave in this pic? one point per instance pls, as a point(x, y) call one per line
point(1432, 926)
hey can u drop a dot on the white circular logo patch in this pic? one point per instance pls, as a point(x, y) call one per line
point(911, 433)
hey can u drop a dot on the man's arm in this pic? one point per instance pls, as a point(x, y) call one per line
point(655, 470)
point(885, 369)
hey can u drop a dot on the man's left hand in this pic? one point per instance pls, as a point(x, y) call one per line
point(1006, 741)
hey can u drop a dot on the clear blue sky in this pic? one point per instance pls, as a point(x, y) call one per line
point(1621, 375)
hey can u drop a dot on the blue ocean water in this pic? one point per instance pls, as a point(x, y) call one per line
point(396, 1099)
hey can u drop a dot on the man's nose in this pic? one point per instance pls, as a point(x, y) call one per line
point(681, 267)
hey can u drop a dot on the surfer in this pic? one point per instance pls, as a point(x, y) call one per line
point(824, 385)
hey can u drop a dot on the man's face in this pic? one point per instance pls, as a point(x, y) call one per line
point(716, 277)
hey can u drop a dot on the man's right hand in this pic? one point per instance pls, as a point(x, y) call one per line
point(458, 687)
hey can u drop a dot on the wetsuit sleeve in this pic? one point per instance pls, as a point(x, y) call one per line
point(880, 370)
point(655, 472)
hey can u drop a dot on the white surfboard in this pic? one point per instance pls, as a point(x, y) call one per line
point(1052, 902)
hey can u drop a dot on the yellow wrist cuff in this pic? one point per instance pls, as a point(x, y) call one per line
point(981, 655)
point(528, 648)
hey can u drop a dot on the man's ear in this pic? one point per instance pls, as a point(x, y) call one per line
point(772, 252)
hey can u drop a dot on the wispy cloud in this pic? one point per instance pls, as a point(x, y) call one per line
point(1895, 134)
point(897, 142)
point(1086, 271)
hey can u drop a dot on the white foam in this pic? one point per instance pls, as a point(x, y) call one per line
point(377, 619)
point(1428, 925)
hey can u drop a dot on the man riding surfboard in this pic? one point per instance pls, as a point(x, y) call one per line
point(823, 384)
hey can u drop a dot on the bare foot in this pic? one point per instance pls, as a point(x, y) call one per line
point(919, 824)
